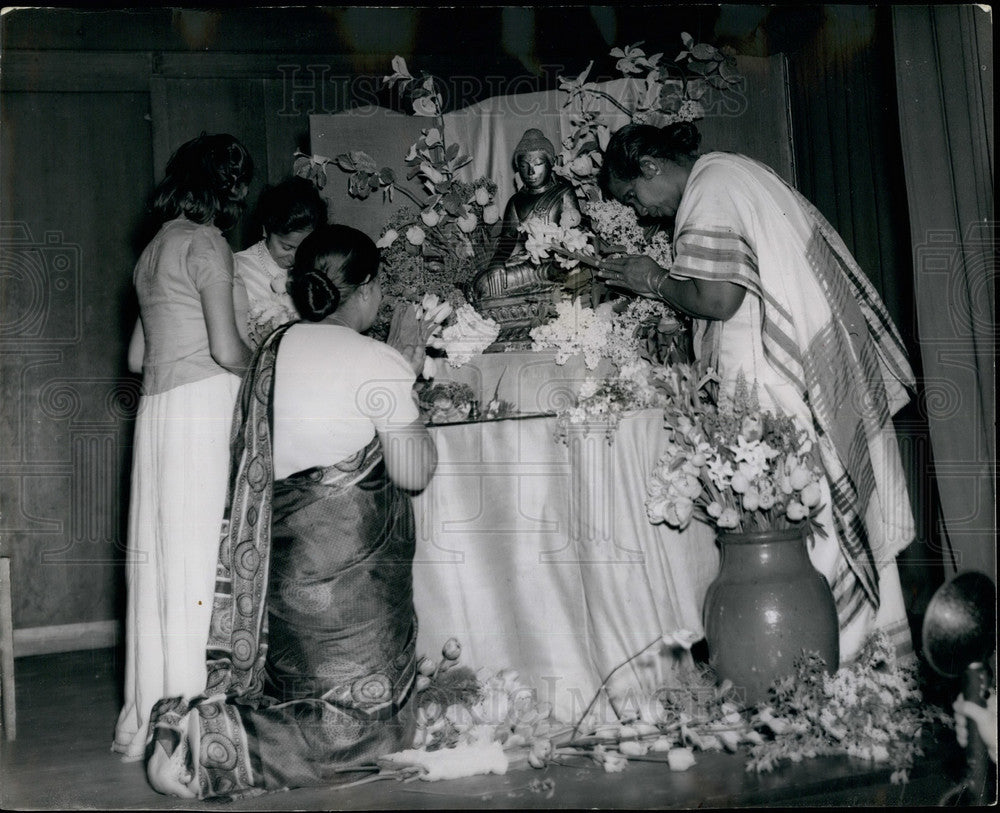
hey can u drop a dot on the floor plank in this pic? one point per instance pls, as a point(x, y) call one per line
point(67, 704)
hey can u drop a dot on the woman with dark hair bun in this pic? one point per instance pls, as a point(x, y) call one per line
point(288, 212)
point(189, 352)
point(676, 143)
point(330, 266)
point(311, 656)
point(776, 295)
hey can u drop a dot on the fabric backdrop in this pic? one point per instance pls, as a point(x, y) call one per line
point(754, 121)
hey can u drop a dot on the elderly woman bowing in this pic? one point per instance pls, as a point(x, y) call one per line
point(775, 294)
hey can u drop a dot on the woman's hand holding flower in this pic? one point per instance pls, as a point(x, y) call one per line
point(638, 274)
point(409, 334)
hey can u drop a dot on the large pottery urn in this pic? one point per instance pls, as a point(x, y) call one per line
point(765, 607)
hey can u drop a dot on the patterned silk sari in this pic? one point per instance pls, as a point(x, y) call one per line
point(311, 654)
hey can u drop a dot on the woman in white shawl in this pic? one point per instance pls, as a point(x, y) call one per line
point(775, 293)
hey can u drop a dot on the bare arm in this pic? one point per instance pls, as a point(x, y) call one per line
point(224, 342)
point(136, 348)
point(241, 306)
point(409, 336)
point(702, 299)
point(410, 455)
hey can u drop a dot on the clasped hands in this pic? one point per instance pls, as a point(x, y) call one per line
point(637, 274)
point(408, 334)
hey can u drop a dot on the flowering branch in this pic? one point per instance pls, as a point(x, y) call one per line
point(604, 685)
point(439, 248)
point(670, 92)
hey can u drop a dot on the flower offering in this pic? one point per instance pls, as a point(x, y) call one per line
point(566, 244)
point(576, 328)
point(734, 465)
point(618, 225)
point(466, 335)
point(446, 402)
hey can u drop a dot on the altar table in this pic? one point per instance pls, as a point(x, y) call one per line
point(536, 554)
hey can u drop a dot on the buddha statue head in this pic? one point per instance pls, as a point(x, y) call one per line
point(534, 157)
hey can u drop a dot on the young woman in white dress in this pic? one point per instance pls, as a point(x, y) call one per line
point(191, 357)
point(288, 212)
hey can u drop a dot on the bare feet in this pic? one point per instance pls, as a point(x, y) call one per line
point(169, 773)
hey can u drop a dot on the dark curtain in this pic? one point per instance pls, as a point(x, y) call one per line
point(944, 69)
point(849, 163)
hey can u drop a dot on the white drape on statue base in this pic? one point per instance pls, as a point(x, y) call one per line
point(537, 555)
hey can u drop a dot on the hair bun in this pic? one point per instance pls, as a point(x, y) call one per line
point(682, 136)
point(315, 296)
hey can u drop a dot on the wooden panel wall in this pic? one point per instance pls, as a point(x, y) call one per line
point(76, 169)
point(85, 136)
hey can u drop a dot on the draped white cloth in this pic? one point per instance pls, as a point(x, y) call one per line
point(537, 555)
point(174, 519)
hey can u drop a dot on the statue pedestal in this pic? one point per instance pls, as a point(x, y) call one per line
point(516, 315)
point(533, 382)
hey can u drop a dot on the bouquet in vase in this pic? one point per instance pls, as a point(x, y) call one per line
point(731, 465)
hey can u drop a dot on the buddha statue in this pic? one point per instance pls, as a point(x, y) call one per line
point(512, 289)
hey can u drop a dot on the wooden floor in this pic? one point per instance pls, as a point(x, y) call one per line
point(67, 704)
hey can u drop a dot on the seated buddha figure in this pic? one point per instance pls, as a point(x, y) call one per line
point(510, 272)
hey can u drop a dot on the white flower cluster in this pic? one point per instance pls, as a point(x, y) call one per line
point(871, 708)
point(545, 239)
point(576, 328)
point(468, 335)
point(605, 402)
point(618, 225)
point(262, 320)
point(737, 467)
point(601, 334)
point(847, 690)
point(729, 480)
point(674, 484)
point(690, 110)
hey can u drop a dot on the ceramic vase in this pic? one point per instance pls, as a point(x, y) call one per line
point(767, 605)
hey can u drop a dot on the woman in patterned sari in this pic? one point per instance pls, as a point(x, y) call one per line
point(311, 655)
point(776, 295)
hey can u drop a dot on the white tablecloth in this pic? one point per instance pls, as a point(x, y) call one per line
point(537, 555)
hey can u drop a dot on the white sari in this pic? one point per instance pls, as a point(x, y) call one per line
point(816, 337)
